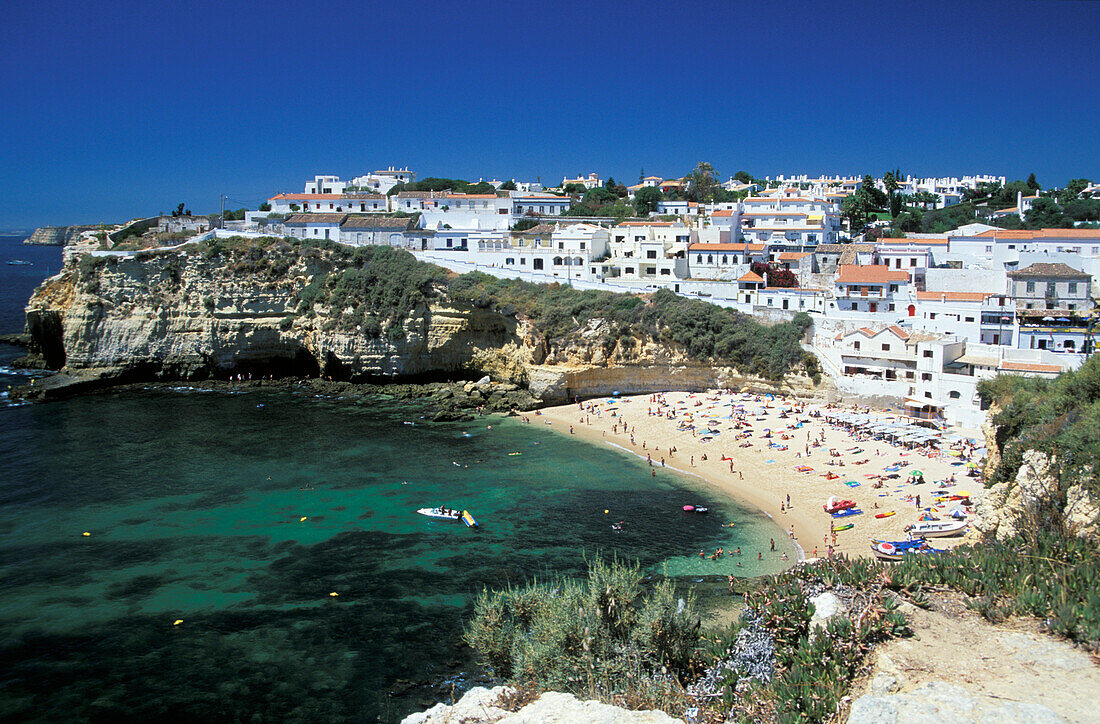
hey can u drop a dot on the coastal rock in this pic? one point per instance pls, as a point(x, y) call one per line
point(826, 606)
point(194, 313)
point(936, 702)
point(477, 707)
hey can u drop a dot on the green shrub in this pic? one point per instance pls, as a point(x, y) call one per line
point(608, 636)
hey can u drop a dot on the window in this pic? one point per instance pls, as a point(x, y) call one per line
point(628, 270)
point(651, 254)
point(725, 260)
point(536, 263)
point(885, 347)
point(666, 272)
point(893, 288)
point(928, 353)
point(912, 262)
point(855, 345)
point(699, 259)
point(523, 261)
point(710, 258)
point(1073, 287)
point(561, 245)
point(510, 261)
point(928, 395)
point(582, 246)
point(989, 250)
point(926, 376)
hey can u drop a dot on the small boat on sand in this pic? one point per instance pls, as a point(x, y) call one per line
point(937, 528)
point(899, 549)
point(832, 505)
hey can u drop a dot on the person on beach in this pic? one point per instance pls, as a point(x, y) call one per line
point(773, 543)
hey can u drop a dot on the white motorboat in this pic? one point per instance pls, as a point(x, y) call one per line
point(441, 513)
point(937, 528)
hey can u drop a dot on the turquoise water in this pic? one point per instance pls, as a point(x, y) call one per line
point(194, 504)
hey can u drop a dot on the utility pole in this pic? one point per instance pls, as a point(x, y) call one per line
point(221, 215)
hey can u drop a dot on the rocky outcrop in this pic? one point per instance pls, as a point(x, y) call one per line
point(186, 315)
point(57, 235)
point(482, 706)
point(999, 508)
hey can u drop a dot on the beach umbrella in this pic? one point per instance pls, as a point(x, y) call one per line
point(916, 473)
point(972, 465)
point(1062, 319)
point(1048, 319)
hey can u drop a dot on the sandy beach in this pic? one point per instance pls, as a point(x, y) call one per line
point(803, 457)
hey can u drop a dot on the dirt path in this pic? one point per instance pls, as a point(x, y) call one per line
point(1005, 670)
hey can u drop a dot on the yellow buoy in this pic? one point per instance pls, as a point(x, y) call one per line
point(334, 594)
point(86, 534)
point(605, 511)
point(177, 622)
point(303, 519)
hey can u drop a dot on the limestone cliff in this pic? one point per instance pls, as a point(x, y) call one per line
point(193, 314)
point(57, 235)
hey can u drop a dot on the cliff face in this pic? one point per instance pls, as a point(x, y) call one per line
point(56, 235)
point(183, 315)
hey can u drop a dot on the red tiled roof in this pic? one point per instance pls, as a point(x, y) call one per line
point(722, 213)
point(751, 277)
point(870, 274)
point(954, 296)
point(704, 246)
point(647, 223)
point(793, 255)
point(1041, 234)
point(1030, 367)
point(308, 197)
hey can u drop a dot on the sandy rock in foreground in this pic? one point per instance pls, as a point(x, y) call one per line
point(476, 707)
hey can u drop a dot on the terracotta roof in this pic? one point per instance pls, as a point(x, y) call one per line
point(868, 332)
point(793, 255)
point(307, 197)
point(1059, 270)
point(954, 296)
point(1030, 367)
point(650, 178)
point(415, 194)
point(537, 230)
point(722, 213)
point(913, 241)
point(775, 213)
point(704, 246)
point(376, 222)
point(870, 274)
point(751, 277)
point(647, 223)
point(297, 219)
point(469, 196)
point(1041, 234)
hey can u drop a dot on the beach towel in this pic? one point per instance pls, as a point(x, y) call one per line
point(852, 484)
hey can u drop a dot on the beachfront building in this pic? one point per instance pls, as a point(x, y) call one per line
point(380, 182)
point(872, 288)
point(652, 250)
point(465, 211)
point(374, 231)
point(678, 207)
point(1055, 287)
point(314, 226)
point(527, 205)
point(723, 261)
point(590, 181)
point(913, 256)
point(328, 203)
point(789, 222)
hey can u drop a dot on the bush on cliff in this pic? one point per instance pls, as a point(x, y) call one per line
point(706, 331)
point(1059, 417)
point(606, 637)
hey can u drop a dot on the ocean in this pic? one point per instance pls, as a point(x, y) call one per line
point(237, 515)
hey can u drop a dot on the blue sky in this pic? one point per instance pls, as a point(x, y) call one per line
point(115, 110)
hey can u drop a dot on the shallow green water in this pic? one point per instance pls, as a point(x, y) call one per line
point(194, 500)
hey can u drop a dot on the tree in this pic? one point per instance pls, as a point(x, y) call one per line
point(295, 207)
point(508, 186)
point(854, 209)
point(875, 198)
point(1032, 183)
point(574, 188)
point(265, 206)
point(179, 210)
point(1072, 190)
point(525, 224)
point(1046, 214)
point(646, 200)
point(700, 183)
point(743, 176)
point(641, 175)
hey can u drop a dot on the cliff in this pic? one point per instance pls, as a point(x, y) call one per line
point(57, 235)
point(286, 309)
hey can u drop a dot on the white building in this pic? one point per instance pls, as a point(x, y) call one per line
point(590, 181)
point(328, 203)
point(380, 182)
point(529, 204)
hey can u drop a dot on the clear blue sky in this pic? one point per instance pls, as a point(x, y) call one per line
point(114, 110)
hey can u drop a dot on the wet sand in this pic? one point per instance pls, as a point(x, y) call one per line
point(763, 476)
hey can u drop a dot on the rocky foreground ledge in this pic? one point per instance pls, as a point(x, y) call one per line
point(484, 706)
